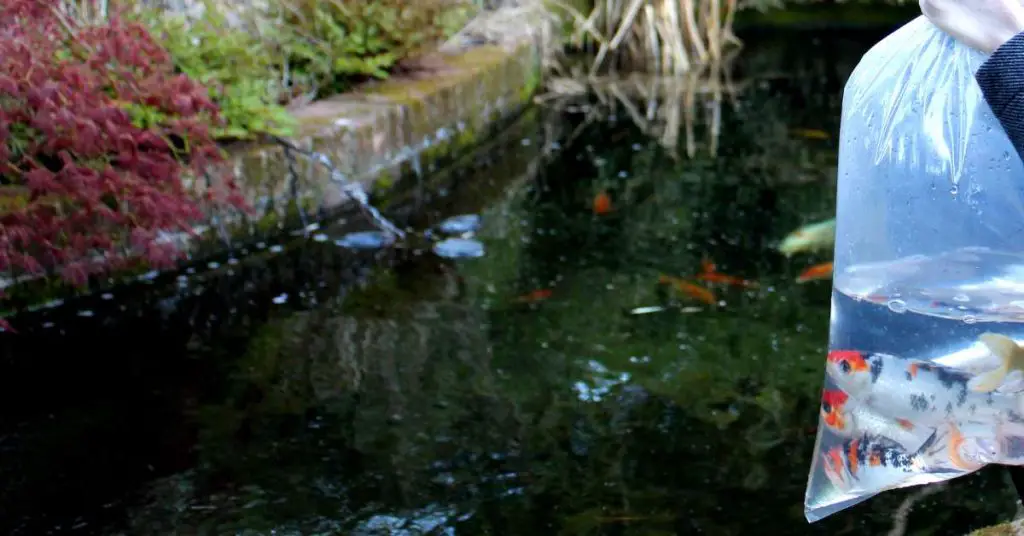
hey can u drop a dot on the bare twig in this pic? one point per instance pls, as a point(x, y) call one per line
point(899, 519)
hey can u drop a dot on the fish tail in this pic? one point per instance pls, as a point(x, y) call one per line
point(1010, 355)
point(944, 450)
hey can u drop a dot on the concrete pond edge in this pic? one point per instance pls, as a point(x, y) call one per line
point(381, 133)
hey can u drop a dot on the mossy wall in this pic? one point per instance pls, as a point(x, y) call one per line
point(397, 127)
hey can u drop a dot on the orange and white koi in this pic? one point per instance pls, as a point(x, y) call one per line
point(818, 271)
point(846, 418)
point(921, 392)
point(868, 463)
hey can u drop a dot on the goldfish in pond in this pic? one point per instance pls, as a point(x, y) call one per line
point(920, 392)
point(709, 274)
point(602, 203)
point(811, 133)
point(810, 237)
point(692, 290)
point(845, 418)
point(818, 271)
point(535, 296)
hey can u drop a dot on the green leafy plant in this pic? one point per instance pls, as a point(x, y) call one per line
point(244, 79)
point(335, 43)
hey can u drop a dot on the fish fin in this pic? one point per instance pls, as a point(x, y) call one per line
point(932, 445)
point(1010, 355)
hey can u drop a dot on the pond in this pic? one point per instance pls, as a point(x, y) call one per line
point(551, 385)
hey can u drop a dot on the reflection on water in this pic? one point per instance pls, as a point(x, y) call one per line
point(537, 379)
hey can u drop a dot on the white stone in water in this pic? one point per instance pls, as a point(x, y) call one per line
point(463, 223)
point(459, 248)
point(365, 240)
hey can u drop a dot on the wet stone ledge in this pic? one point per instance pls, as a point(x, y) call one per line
point(384, 132)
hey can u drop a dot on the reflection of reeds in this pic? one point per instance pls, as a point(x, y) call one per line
point(664, 36)
point(661, 106)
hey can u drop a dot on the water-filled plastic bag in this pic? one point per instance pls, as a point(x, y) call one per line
point(922, 376)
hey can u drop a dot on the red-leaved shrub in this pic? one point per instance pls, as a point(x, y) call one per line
point(97, 133)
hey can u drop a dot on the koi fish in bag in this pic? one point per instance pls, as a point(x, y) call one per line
point(924, 379)
point(892, 422)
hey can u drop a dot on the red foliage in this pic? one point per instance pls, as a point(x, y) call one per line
point(96, 189)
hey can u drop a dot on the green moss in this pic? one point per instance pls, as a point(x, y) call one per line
point(243, 79)
point(1005, 529)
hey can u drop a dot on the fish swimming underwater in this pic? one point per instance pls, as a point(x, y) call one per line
point(846, 418)
point(811, 237)
point(691, 290)
point(920, 392)
point(816, 272)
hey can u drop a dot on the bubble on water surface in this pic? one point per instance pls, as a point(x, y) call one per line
point(961, 298)
point(459, 248)
point(970, 319)
point(897, 306)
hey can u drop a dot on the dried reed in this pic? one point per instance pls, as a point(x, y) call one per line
point(664, 107)
point(663, 36)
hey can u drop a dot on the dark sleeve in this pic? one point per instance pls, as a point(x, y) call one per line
point(1001, 79)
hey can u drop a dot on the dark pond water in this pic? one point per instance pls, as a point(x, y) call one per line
point(314, 391)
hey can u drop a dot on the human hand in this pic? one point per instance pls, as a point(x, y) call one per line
point(981, 24)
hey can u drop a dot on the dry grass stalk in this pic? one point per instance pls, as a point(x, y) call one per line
point(663, 36)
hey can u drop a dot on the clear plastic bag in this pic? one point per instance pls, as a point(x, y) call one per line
point(923, 380)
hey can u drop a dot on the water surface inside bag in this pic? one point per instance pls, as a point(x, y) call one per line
point(922, 376)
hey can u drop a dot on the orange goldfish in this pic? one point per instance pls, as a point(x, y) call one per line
point(811, 133)
point(692, 290)
point(535, 296)
point(602, 203)
point(710, 275)
point(818, 271)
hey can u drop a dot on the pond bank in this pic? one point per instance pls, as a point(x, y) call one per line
point(381, 136)
point(399, 128)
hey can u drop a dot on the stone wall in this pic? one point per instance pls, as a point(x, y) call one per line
point(402, 127)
